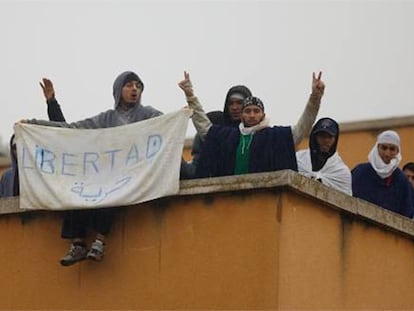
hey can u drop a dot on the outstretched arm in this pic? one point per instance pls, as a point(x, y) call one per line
point(306, 120)
point(53, 108)
point(200, 120)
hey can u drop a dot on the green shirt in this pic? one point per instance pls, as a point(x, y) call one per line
point(243, 155)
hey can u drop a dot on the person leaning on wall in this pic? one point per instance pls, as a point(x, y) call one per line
point(380, 181)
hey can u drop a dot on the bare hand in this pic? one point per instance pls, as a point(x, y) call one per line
point(48, 89)
point(186, 85)
point(318, 87)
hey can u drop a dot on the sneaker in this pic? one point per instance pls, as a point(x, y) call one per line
point(97, 251)
point(77, 252)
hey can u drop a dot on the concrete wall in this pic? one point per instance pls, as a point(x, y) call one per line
point(261, 241)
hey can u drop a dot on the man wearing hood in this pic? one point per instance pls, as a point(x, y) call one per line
point(321, 161)
point(127, 90)
point(253, 146)
point(380, 181)
point(230, 116)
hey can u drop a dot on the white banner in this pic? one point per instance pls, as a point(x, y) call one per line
point(61, 168)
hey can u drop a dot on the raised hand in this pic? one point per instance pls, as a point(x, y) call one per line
point(47, 88)
point(318, 87)
point(186, 85)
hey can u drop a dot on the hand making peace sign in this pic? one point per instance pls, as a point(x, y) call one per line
point(186, 85)
point(318, 87)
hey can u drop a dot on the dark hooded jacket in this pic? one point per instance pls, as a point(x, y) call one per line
point(319, 158)
point(326, 167)
point(219, 118)
point(9, 183)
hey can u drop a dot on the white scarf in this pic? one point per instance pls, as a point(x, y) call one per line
point(253, 129)
point(383, 170)
point(334, 173)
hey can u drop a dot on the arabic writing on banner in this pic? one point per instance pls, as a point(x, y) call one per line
point(63, 168)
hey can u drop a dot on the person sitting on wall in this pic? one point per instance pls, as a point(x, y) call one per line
point(253, 146)
point(380, 181)
point(127, 92)
point(321, 161)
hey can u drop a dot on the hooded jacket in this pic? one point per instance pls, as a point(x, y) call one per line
point(112, 117)
point(319, 158)
point(226, 117)
point(219, 118)
point(325, 167)
point(9, 182)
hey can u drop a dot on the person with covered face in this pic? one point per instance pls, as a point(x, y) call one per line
point(322, 161)
point(127, 91)
point(253, 146)
point(380, 181)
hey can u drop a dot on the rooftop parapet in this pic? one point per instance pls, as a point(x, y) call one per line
point(280, 180)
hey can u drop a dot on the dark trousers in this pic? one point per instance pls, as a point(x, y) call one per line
point(77, 222)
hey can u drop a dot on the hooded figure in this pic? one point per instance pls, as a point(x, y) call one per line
point(114, 117)
point(225, 118)
point(9, 183)
point(235, 93)
point(325, 165)
point(380, 181)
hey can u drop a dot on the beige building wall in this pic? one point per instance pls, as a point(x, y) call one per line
point(273, 241)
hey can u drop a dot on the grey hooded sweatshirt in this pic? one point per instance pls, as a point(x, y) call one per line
point(117, 116)
point(112, 117)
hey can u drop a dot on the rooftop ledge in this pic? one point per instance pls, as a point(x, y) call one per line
point(285, 180)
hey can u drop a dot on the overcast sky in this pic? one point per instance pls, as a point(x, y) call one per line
point(364, 48)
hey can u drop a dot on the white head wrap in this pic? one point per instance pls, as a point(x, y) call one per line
point(389, 137)
point(385, 170)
